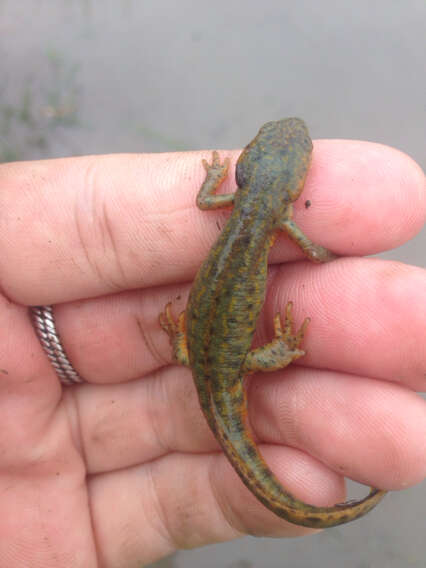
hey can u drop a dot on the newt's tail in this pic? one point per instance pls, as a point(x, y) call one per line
point(245, 457)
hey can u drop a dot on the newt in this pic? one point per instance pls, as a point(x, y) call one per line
point(213, 336)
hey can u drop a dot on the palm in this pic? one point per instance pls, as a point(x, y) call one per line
point(123, 469)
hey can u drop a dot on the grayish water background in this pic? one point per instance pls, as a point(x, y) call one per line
point(115, 76)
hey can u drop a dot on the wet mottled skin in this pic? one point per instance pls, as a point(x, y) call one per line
point(214, 335)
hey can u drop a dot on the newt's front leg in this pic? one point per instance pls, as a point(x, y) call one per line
point(314, 252)
point(216, 173)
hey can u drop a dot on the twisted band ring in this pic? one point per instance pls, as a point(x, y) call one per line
point(44, 324)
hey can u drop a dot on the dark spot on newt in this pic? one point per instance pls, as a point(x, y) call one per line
point(244, 241)
point(313, 520)
point(251, 451)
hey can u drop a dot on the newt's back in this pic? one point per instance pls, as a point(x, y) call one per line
point(229, 289)
point(215, 333)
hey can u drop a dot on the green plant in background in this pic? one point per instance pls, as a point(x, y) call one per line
point(62, 93)
point(29, 116)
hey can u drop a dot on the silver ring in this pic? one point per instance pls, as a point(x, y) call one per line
point(44, 324)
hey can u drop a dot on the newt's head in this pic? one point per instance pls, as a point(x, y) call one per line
point(276, 161)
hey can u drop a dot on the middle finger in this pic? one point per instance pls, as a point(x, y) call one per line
point(367, 317)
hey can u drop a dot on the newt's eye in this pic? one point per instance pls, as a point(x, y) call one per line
point(244, 168)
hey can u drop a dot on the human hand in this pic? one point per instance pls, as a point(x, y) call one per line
point(123, 469)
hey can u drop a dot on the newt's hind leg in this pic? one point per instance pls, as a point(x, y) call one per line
point(282, 350)
point(176, 332)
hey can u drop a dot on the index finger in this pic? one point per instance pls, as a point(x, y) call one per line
point(82, 227)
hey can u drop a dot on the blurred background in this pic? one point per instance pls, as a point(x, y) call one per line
point(130, 76)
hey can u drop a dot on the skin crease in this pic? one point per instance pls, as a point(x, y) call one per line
point(213, 336)
point(74, 232)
